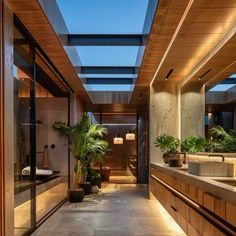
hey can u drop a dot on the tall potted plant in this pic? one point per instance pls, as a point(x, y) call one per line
point(85, 144)
point(168, 145)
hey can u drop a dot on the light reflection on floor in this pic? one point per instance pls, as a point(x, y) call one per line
point(118, 210)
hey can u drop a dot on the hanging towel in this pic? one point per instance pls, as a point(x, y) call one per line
point(26, 171)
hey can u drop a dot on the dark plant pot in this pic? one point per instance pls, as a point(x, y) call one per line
point(175, 162)
point(75, 196)
point(166, 156)
point(86, 187)
point(106, 171)
point(97, 181)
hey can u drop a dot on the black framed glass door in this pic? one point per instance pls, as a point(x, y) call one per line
point(41, 167)
point(24, 162)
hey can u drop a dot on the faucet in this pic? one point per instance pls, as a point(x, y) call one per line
point(217, 155)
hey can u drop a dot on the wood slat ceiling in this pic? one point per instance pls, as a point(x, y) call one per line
point(33, 18)
point(203, 27)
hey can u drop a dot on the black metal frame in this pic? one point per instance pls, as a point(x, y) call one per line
point(35, 49)
point(109, 80)
point(106, 40)
point(106, 69)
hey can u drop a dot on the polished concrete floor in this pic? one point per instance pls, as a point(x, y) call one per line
point(118, 210)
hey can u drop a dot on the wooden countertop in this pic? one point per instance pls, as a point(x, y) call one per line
point(209, 185)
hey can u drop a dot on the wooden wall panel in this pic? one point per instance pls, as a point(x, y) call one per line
point(8, 117)
point(1, 132)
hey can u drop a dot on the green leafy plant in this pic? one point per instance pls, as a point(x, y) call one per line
point(167, 143)
point(193, 144)
point(222, 140)
point(86, 145)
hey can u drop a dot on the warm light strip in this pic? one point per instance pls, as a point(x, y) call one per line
point(115, 113)
point(173, 38)
point(118, 124)
point(212, 53)
point(209, 81)
point(197, 207)
point(177, 192)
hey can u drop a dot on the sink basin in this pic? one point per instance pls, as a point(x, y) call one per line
point(210, 168)
point(227, 181)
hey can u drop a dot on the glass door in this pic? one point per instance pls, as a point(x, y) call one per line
point(24, 162)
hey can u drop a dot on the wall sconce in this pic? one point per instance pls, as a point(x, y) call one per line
point(118, 139)
point(130, 135)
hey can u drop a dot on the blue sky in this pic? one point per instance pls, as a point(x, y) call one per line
point(104, 16)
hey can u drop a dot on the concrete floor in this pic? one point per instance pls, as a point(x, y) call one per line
point(118, 210)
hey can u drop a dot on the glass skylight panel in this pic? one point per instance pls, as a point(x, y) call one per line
point(103, 16)
point(108, 76)
point(107, 55)
point(232, 76)
point(221, 87)
point(108, 87)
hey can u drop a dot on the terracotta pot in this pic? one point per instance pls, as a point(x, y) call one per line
point(75, 196)
point(166, 156)
point(106, 171)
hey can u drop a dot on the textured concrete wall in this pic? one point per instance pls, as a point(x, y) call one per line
point(192, 111)
point(164, 115)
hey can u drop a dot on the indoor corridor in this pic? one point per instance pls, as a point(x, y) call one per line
point(118, 210)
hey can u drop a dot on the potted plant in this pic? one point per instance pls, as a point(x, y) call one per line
point(193, 144)
point(223, 141)
point(85, 144)
point(168, 145)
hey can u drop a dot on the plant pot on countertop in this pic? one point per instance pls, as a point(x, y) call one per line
point(175, 162)
point(87, 186)
point(75, 196)
point(168, 155)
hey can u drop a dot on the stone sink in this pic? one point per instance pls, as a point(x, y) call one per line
point(211, 169)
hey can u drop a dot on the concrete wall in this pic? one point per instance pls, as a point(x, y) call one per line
point(179, 112)
point(192, 111)
point(164, 115)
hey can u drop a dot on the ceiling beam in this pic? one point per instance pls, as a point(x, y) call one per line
point(106, 70)
point(106, 39)
point(109, 80)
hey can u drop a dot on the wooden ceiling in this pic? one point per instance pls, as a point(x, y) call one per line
point(183, 35)
point(30, 13)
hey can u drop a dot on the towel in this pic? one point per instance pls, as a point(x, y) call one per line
point(26, 171)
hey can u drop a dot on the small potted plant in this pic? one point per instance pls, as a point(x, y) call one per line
point(168, 145)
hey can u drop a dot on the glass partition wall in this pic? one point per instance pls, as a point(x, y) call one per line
point(40, 99)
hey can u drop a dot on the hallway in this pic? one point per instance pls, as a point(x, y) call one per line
point(118, 210)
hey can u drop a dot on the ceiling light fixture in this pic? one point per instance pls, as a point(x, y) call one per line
point(169, 73)
point(201, 77)
point(118, 139)
point(130, 135)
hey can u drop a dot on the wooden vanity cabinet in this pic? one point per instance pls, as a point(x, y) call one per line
point(191, 221)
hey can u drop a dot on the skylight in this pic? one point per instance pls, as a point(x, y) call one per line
point(108, 87)
point(105, 39)
point(107, 55)
point(221, 87)
point(104, 16)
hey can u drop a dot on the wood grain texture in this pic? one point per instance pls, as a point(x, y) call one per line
point(204, 26)
point(1, 130)
point(36, 22)
point(8, 116)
